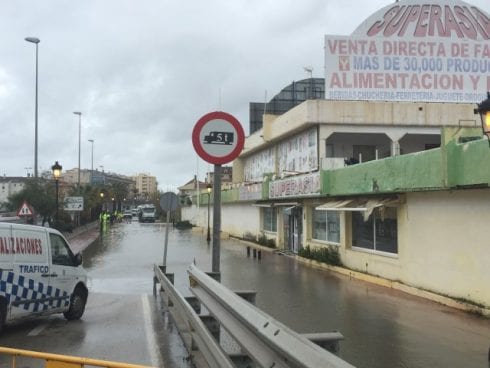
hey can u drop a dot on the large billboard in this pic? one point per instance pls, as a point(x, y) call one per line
point(413, 50)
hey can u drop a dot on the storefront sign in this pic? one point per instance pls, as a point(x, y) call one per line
point(297, 186)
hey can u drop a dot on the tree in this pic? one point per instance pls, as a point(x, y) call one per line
point(40, 194)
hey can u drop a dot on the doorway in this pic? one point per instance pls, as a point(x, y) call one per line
point(293, 228)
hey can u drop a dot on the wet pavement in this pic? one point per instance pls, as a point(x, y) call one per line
point(382, 327)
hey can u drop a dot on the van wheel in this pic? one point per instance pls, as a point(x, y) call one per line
point(77, 305)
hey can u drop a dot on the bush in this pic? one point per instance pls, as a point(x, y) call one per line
point(265, 241)
point(329, 255)
point(261, 239)
point(182, 225)
point(248, 236)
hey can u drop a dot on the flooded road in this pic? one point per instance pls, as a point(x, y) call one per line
point(382, 327)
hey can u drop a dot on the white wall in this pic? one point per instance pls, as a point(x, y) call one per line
point(446, 247)
point(441, 247)
point(236, 219)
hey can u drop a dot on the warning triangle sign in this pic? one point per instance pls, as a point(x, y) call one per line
point(24, 210)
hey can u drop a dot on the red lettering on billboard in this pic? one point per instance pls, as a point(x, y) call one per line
point(429, 20)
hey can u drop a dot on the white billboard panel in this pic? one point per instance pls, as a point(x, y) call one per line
point(413, 51)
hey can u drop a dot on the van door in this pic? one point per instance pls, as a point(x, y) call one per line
point(29, 282)
point(64, 271)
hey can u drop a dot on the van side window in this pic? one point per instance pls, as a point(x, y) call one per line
point(60, 252)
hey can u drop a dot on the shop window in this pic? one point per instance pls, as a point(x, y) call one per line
point(326, 226)
point(269, 220)
point(378, 233)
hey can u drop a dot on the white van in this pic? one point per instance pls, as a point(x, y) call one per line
point(39, 274)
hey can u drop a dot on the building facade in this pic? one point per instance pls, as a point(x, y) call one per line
point(145, 184)
point(390, 169)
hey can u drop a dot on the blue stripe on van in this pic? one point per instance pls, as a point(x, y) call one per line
point(31, 296)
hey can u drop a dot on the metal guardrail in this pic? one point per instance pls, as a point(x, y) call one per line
point(264, 341)
point(63, 361)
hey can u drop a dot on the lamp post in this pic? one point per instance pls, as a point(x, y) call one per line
point(92, 159)
point(484, 111)
point(56, 174)
point(35, 41)
point(209, 188)
point(79, 136)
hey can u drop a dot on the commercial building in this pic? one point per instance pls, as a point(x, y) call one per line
point(390, 169)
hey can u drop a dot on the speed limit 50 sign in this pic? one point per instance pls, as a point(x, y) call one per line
point(218, 137)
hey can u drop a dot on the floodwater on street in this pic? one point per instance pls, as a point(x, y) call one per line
point(383, 328)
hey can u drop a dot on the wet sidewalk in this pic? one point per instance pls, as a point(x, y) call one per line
point(82, 237)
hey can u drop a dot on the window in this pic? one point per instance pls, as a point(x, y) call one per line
point(269, 220)
point(326, 226)
point(378, 233)
point(60, 252)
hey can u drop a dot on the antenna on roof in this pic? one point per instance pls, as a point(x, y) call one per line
point(309, 70)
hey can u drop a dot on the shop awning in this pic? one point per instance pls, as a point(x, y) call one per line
point(359, 204)
point(276, 204)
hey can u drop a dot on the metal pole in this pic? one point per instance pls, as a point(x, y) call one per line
point(166, 240)
point(208, 237)
point(56, 202)
point(92, 158)
point(215, 264)
point(35, 118)
point(79, 144)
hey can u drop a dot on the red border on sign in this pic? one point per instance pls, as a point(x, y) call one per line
point(196, 132)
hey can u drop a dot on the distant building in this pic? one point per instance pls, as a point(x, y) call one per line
point(71, 176)
point(145, 184)
point(9, 186)
point(96, 177)
point(190, 188)
point(226, 177)
point(289, 97)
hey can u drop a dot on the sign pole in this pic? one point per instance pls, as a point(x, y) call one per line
point(168, 203)
point(215, 264)
point(166, 241)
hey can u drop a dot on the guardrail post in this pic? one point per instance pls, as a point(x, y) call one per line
point(194, 303)
point(214, 275)
point(212, 325)
point(242, 361)
point(327, 340)
point(248, 295)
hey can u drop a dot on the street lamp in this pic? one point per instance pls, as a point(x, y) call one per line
point(92, 167)
point(102, 199)
point(484, 111)
point(36, 42)
point(79, 136)
point(209, 187)
point(56, 174)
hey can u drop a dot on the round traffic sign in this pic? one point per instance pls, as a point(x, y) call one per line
point(169, 201)
point(218, 137)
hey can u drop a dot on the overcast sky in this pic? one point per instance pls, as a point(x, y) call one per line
point(142, 72)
